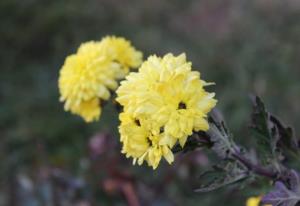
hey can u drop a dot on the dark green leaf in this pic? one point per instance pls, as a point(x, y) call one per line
point(273, 138)
point(224, 174)
point(262, 128)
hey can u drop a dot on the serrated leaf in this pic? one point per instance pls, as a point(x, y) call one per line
point(285, 192)
point(287, 142)
point(219, 135)
point(281, 196)
point(222, 175)
point(262, 127)
point(274, 139)
point(294, 181)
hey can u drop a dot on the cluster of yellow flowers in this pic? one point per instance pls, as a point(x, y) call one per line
point(164, 102)
point(87, 76)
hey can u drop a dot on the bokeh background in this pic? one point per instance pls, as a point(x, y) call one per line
point(49, 157)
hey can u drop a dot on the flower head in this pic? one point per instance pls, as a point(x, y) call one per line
point(121, 51)
point(142, 141)
point(164, 102)
point(87, 77)
point(166, 91)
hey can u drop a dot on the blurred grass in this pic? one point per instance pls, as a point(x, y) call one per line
point(244, 46)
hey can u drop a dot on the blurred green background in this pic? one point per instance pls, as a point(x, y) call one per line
point(50, 157)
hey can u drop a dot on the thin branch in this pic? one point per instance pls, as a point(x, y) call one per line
point(256, 168)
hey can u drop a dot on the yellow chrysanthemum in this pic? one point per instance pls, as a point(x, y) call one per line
point(142, 141)
point(122, 52)
point(167, 91)
point(85, 80)
point(87, 76)
point(254, 201)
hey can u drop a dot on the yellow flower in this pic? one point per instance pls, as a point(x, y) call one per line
point(141, 141)
point(85, 80)
point(87, 77)
point(121, 51)
point(254, 201)
point(89, 110)
point(166, 91)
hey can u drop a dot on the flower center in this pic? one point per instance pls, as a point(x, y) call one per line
point(149, 141)
point(161, 130)
point(137, 122)
point(152, 139)
point(181, 105)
